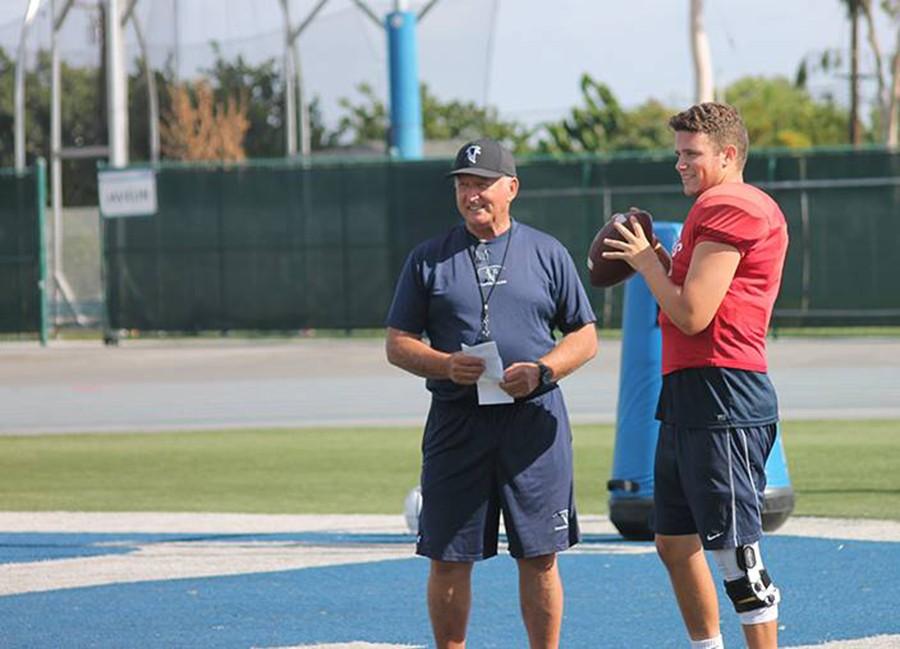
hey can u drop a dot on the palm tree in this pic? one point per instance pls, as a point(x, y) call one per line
point(887, 100)
point(703, 77)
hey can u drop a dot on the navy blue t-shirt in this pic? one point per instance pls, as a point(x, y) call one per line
point(537, 291)
point(717, 397)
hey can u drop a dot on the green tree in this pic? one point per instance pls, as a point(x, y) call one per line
point(81, 104)
point(591, 127)
point(366, 120)
point(264, 89)
point(264, 86)
point(601, 124)
point(778, 113)
point(320, 136)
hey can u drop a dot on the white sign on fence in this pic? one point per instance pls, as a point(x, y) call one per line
point(127, 193)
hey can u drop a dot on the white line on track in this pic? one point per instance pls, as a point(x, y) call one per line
point(872, 642)
point(206, 523)
point(350, 645)
point(181, 559)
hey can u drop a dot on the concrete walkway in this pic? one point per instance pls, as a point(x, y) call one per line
point(207, 384)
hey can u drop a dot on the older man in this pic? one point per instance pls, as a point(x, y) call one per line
point(499, 288)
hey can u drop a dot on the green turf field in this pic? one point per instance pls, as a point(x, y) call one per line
point(837, 468)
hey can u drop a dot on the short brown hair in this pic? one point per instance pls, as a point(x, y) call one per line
point(721, 122)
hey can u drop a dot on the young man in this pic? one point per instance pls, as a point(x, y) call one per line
point(493, 280)
point(718, 409)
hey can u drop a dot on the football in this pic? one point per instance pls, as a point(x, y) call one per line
point(609, 272)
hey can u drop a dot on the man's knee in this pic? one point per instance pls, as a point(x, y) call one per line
point(747, 582)
point(545, 563)
point(453, 570)
point(675, 550)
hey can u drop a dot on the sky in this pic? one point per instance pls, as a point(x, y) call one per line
point(524, 57)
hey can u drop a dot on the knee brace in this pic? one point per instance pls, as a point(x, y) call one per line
point(748, 584)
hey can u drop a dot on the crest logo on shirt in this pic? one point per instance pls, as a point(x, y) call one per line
point(489, 275)
point(472, 153)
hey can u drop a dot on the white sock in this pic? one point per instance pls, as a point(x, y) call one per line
point(709, 643)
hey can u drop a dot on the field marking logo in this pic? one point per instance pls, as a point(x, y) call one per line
point(472, 153)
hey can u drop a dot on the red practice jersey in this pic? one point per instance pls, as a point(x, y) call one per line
point(747, 218)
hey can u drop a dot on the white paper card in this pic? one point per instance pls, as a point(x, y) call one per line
point(489, 390)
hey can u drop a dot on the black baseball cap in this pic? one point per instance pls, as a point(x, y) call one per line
point(486, 158)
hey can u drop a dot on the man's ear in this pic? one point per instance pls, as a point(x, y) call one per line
point(513, 188)
point(731, 154)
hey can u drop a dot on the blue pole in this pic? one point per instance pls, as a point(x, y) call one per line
point(406, 106)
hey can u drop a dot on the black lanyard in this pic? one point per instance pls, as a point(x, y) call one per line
point(485, 333)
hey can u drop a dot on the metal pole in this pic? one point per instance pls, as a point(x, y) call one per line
point(807, 243)
point(305, 135)
point(290, 107)
point(424, 10)
point(116, 84)
point(55, 162)
point(152, 97)
point(30, 13)
point(854, 73)
point(40, 179)
point(20, 105)
point(366, 10)
point(292, 37)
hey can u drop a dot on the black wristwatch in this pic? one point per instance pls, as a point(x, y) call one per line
point(546, 374)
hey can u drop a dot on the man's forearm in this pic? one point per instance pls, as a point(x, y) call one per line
point(418, 358)
point(574, 350)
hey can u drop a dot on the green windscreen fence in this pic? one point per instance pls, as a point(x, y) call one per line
point(22, 307)
point(280, 246)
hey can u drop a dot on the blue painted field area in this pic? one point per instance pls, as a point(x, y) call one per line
point(832, 590)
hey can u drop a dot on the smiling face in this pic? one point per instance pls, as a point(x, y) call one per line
point(703, 164)
point(484, 203)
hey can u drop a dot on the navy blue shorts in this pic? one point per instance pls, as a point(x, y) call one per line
point(710, 481)
point(481, 461)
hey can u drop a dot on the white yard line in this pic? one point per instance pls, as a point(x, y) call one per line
point(872, 642)
point(187, 559)
point(349, 645)
point(190, 523)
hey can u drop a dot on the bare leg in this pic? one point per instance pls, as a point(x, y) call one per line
point(541, 600)
point(449, 601)
point(692, 582)
point(762, 636)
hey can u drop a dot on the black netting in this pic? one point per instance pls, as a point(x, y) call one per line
point(20, 295)
point(281, 246)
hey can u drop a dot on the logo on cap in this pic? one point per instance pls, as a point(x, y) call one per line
point(472, 153)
